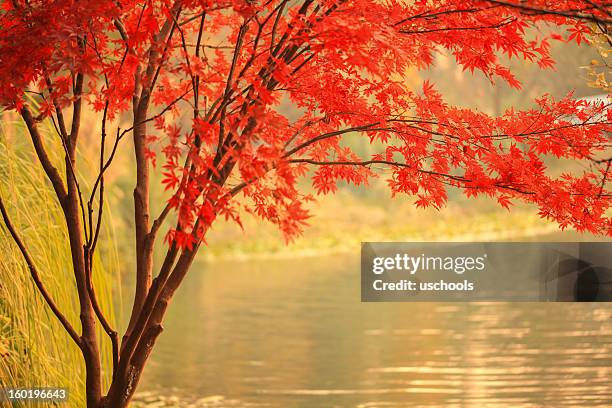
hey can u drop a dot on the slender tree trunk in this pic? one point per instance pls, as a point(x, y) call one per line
point(162, 290)
point(89, 340)
point(142, 217)
point(144, 251)
point(68, 197)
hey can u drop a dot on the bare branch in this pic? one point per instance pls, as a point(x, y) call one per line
point(36, 276)
point(52, 173)
point(528, 9)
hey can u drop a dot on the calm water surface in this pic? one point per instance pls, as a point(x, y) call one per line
point(293, 333)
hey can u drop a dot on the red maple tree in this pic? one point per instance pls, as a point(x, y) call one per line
point(201, 82)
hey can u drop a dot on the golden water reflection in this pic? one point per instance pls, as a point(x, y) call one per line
point(293, 333)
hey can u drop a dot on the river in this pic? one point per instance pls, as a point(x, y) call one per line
point(293, 333)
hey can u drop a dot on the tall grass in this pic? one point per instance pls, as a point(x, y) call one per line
point(34, 348)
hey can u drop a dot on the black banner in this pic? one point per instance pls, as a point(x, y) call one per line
point(486, 271)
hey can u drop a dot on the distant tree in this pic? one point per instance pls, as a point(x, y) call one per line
point(599, 70)
point(222, 67)
point(494, 97)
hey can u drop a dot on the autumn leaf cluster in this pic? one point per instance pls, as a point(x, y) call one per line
point(212, 76)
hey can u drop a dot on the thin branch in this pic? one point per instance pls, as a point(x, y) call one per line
point(90, 250)
point(156, 62)
point(112, 334)
point(446, 29)
point(36, 276)
point(435, 15)
point(328, 135)
point(121, 29)
point(58, 110)
point(281, 8)
point(366, 163)
point(533, 10)
point(228, 86)
point(76, 113)
point(52, 173)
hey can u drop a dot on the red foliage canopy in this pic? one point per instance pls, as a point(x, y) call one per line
point(210, 77)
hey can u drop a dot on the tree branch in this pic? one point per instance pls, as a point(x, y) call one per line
point(36, 276)
point(533, 10)
point(52, 173)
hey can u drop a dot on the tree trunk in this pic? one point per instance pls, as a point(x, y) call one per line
point(144, 251)
point(124, 384)
point(89, 341)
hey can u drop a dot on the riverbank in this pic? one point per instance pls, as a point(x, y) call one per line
point(340, 223)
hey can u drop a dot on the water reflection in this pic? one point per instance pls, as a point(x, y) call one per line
point(293, 333)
